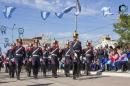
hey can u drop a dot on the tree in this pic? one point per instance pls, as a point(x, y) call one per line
point(123, 29)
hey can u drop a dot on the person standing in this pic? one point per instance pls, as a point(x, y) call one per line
point(12, 64)
point(36, 55)
point(76, 48)
point(19, 56)
point(67, 59)
point(54, 52)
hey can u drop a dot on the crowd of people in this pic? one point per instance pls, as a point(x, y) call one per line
point(72, 57)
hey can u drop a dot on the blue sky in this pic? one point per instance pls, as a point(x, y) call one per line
point(91, 23)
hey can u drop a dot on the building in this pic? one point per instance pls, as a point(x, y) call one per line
point(42, 40)
point(106, 41)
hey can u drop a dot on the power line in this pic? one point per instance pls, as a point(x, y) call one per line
point(101, 27)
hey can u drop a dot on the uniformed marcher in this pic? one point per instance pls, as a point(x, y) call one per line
point(19, 55)
point(88, 57)
point(67, 59)
point(44, 60)
point(54, 52)
point(36, 55)
point(12, 64)
point(77, 50)
point(28, 59)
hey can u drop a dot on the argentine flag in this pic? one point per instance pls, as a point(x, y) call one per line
point(78, 8)
point(45, 15)
point(59, 15)
point(106, 11)
point(8, 11)
point(64, 11)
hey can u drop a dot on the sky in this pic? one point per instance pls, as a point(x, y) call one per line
point(91, 22)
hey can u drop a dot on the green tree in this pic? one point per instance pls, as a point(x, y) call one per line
point(123, 29)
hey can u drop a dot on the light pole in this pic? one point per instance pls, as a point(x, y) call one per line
point(13, 33)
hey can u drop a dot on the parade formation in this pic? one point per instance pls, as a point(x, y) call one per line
point(73, 57)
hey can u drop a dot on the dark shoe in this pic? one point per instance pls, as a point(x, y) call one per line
point(44, 75)
point(35, 76)
point(18, 78)
point(74, 77)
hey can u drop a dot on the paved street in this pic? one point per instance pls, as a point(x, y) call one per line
point(106, 80)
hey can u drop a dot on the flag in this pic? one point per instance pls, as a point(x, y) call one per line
point(3, 29)
point(78, 7)
point(45, 15)
point(65, 11)
point(59, 15)
point(106, 11)
point(8, 11)
point(68, 9)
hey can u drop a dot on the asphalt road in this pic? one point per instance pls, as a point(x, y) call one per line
point(93, 80)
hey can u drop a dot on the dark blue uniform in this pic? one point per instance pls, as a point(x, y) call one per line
point(44, 62)
point(54, 52)
point(36, 55)
point(67, 61)
point(28, 61)
point(88, 58)
point(12, 64)
point(19, 57)
point(77, 50)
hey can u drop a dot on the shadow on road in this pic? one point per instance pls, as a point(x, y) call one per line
point(3, 82)
point(41, 84)
point(6, 82)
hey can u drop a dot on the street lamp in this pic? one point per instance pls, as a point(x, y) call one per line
point(13, 33)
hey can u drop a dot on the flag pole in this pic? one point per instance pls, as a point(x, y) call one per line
point(76, 18)
point(76, 22)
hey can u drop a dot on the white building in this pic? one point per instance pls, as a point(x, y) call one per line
point(106, 41)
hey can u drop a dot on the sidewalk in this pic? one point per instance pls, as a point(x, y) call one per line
point(113, 74)
point(116, 74)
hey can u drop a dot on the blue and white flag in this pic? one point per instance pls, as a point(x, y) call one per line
point(65, 11)
point(8, 11)
point(106, 11)
point(59, 15)
point(45, 15)
point(3, 29)
point(68, 9)
point(78, 8)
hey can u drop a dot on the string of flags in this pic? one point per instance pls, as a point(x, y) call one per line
point(45, 14)
point(9, 10)
point(107, 10)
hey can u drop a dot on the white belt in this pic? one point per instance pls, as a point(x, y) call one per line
point(67, 55)
point(77, 51)
point(18, 54)
point(35, 55)
point(53, 54)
